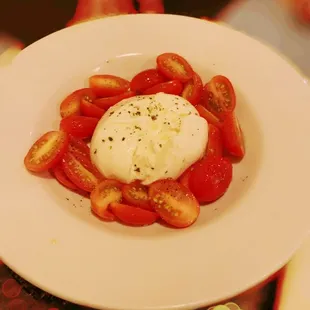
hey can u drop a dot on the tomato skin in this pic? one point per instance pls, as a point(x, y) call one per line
point(171, 87)
point(174, 67)
point(133, 216)
point(215, 142)
point(136, 194)
point(219, 96)
point(210, 178)
point(55, 143)
point(174, 203)
point(90, 109)
point(106, 192)
point(184, 178)
point(146, 79)
point(62, 178)
point(71, 104)
point(77, 173)
point(79, 126)
point(108, 102)
point(193, 90)
point(208, 116)
point(232, 136)
point(108, 85)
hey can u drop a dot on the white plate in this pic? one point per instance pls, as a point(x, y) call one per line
point(238, 241)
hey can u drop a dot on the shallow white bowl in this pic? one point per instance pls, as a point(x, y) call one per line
point(48, 234)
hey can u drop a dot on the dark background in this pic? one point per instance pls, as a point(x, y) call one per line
point(30, 20)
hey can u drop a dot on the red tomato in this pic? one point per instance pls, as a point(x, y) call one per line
point(174, 203)
point(10, 288)
point(79, 126)
point(146, 79)
point(106, 192)
point(174, 67)
point(136, 194)
point(71, 104)
point(232, 136)
point(78, 146)
point(171, 87)
point(62, 178)
point(210, 178)
point(47, 151)
point(208, 116)
point(108, 85)
point(219, 96)
point(106, 103)
point(215, 142)
point(90, 109)
point(77, 173)
point(193, 90)
point(133, 216)
point(184, 178)
point(302, 9)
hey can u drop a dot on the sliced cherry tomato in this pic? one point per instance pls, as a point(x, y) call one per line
point(132, 215)
point(108, 85)
point(136, 194)
point(171, 87)
point(208, 116)
point(215, 142)
point(79, 126)
point(193, 90)
point(78, 146)
point(106, 103)
point(184, 178)
point(75, 170)
point(106, 192)
point(10, 288)
point(47, 151)
point(62, 178)
point(174, 203)
point(71, 104)
point(88, 108)
point(210, 178)
point(232, 136)
point(174, 67)
point(219, 96)
point(146, 79)
point(302, 10)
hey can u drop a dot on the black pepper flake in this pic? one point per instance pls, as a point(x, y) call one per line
point(110, 147)
point(110, 139)
point(103, 140)
point(154, 118)
point(111, 113)
point(95, 151)
point(67, 198)
point(160, 145)
point(152, 168)
point(137, 127)
point(139, 140)
point(166, 171)
point(123, 139)
point(137, 169)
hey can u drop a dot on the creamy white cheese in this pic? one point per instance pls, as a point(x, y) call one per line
point(149, 138)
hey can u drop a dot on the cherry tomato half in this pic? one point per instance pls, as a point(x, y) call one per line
point(71, 104)
point(77, 173)
point(210, 178)
point(88, 108)
point(105, 192)
point(108, 102)
point(232, 136)
point(208, 116)
point(47, 151)
point(171, 87)
point(79, 126)
point(174, 203)
point(146, 79)
point(133, 216)
point(215, 142)
point(193, 90)
point(62, 178)
point(108, 85)
point(219, 96)
point(78, 146)
point(136, 194)
point(174, 67)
